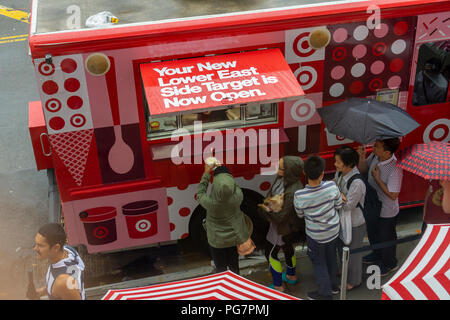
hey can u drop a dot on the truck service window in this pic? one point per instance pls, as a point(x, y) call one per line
point(234, 117)
point(433, 73)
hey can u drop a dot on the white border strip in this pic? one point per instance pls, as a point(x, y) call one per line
point(34, 17)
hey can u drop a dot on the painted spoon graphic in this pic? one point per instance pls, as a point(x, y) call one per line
point(120, 157)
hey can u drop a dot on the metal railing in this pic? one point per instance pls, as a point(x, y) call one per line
point(346, 252)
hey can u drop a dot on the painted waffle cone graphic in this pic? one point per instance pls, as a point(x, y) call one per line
point(73, 149)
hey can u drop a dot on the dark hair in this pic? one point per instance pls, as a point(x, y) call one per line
point(348, 155)
point(54, 234)
point(221, 169)
point(391, 144)
point(314, 166)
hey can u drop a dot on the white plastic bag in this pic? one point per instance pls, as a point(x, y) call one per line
point(345, 233)
point(101, 19)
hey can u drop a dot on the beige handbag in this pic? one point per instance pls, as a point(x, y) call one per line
point(248, 246)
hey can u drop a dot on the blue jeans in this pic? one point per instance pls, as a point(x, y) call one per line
point(324, 260)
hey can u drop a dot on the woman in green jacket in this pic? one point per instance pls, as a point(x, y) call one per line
point(225, 223)
point(285, 227)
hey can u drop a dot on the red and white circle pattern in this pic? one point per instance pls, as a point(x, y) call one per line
point(64, 93)
point(181, 205)
point(378, 57)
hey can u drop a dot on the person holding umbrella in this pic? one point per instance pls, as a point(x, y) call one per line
point(433, 209)
point(386, 178)
point(432, 162)
point(366, 121)
point(446, 195)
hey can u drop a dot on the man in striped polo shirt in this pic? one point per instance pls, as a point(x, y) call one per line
point(318, 203)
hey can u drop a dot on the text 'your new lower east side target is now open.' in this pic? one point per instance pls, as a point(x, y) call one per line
point(208, 83)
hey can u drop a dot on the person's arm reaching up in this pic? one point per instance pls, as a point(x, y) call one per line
point(362, 165)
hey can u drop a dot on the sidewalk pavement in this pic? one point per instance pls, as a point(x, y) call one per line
point(255, 267)
point(307, 281)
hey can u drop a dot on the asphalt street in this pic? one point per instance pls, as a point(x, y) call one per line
point(23, 190)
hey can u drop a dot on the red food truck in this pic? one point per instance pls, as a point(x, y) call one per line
point(129, 110)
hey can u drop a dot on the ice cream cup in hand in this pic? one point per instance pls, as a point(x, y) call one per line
point(212, 162)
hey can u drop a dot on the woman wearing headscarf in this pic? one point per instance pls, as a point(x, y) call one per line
point(285, 227)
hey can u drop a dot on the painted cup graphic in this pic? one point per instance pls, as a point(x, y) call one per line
point(141, 217)
point(99, 225)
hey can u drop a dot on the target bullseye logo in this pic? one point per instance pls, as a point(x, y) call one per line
point(46, 69)
point(334, 139)
point(303, 110)
point(438, 130)
point(306, 76)
point(53, 105)
point(375, 84)
point(78, 120)
point(339, 53)
point(101, 232)
point(143, 225)
point(379, 49)
point(301, 45)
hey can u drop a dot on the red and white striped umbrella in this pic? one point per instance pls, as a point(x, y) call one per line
point(425, 275)
point(221, 286)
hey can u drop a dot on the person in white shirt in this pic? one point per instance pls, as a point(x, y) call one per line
point(353, 191)
point(386, 178)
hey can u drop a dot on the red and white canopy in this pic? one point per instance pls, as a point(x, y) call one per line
point(426, 273)
point(220, 286)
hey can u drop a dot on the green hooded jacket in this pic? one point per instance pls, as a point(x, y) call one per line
point(286, 221)
point(225, 222)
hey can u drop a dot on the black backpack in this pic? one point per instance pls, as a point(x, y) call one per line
point(372, 205)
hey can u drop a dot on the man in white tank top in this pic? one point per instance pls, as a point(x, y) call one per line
point(65, 273)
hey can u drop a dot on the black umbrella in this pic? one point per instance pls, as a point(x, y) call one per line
point(367, 120)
